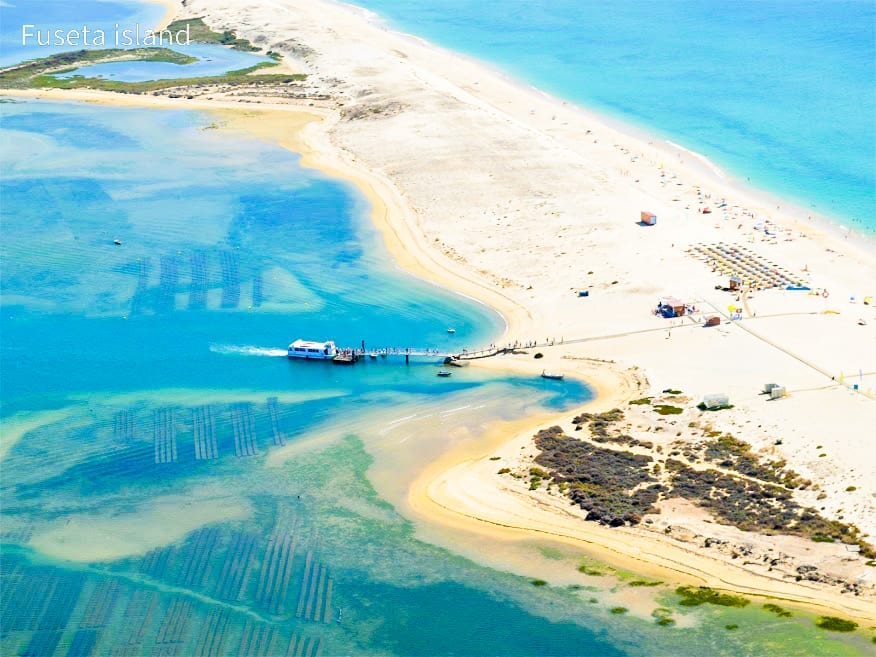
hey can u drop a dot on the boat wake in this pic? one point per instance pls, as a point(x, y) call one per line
point(247, 350)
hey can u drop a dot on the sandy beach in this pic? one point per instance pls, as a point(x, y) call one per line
point(493, 189)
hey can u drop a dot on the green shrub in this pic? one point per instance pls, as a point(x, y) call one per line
point(834, 624)
point(618, 610)
point(821, 538)
point(695, 596)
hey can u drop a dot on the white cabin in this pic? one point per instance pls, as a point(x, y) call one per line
point(313, 350)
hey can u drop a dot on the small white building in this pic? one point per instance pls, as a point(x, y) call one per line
point(716, 400)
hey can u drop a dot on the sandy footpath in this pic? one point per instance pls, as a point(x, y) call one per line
point(491, 188)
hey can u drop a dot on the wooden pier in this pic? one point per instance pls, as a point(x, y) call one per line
point(351, 356)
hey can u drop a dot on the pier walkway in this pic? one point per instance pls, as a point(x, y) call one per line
point(351, 355)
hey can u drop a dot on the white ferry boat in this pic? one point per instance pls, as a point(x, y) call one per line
point(313, 350)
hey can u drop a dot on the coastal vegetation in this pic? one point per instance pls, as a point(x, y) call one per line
point(41, 73)
point(200, 32)
point(614, 487)
point(694, 596)
point(618, 479)
point(668, 409)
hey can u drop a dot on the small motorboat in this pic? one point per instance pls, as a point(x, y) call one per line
point(383, 354)
point(117, 242)
point(451, 330)
point(373, 355)
point(444, 373)
point(552, 375)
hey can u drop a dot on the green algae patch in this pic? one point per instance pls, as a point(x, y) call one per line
point(777, 610)
point(538, 582)
point(834, 624)
point(551, 553)
point(668, 409)
point(663, 617)
point(694, 596)
point(618, 610)
point(589, 571)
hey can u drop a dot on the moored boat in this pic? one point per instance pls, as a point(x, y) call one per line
point(444, 373)
point(309, 350)
point(552, 375)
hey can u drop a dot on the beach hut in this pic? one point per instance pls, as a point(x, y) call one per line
point(647, 218)
point(670, 307)
point(713, 320)
point(716, 401)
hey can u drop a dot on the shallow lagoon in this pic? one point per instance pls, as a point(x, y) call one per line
point(211, 60)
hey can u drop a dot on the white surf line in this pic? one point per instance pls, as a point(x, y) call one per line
point(454, 410)
point(401, 419)
point(395, 424)
point(705, 161)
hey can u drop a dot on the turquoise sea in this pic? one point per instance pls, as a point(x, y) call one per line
point(172, 485)
point(779, 93)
